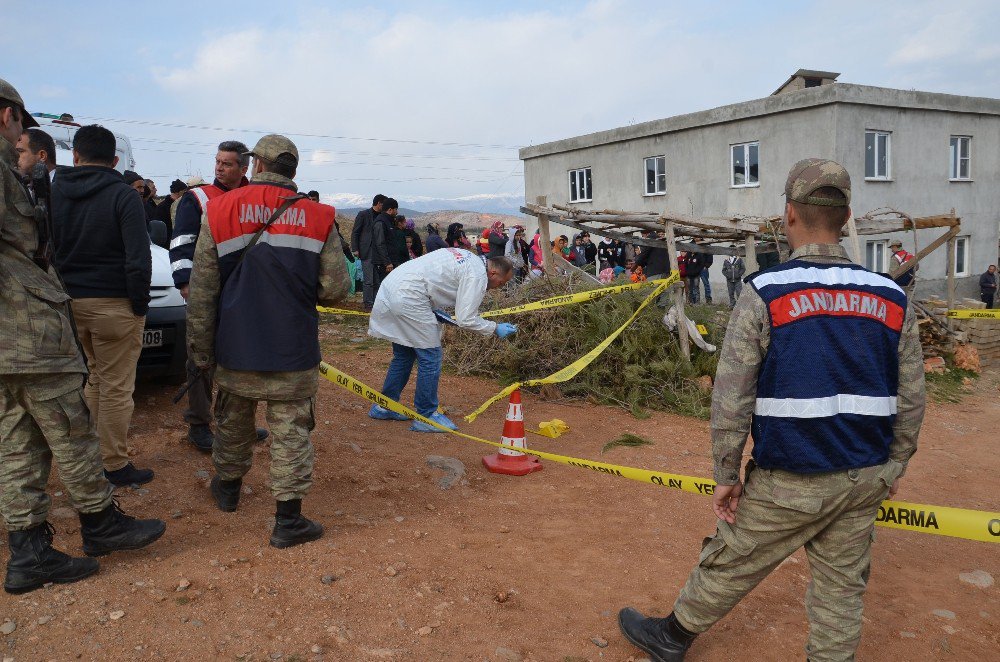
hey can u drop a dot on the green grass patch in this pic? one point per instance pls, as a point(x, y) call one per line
point(949, 386)
point(629, 440)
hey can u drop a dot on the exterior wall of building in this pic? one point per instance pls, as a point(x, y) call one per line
point(919, 184)
point(822, 122)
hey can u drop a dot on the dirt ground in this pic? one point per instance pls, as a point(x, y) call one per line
point(495, 568)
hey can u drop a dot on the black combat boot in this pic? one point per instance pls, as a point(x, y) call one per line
point(34, 563)
point(201, 437)
point(664, 639)
point(129, 475)
point(111, 530)
point(291, 528)
point(226, 493)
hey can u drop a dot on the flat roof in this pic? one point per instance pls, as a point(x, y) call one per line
point(800, 99)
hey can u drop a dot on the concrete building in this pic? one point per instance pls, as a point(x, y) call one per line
point(920, 152)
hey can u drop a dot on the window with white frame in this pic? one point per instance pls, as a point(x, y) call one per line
point(963, 258)
point(960, 154)
point(579, 185)
point(877, 256)
point(745, 164)
point(656, 175)
point(878, 146)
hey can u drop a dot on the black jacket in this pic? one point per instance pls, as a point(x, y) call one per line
point(434, 240)
point(361, 235)
point(163, 214)
point(381, 241)
point(498, 245)
point(988, 283)
point(654, 261)
point(100, 237)
point(694, 264)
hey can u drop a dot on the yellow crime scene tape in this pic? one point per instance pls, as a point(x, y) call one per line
point(574, 368)
point(578, 297)
point(551, 302)
point(954, 522)
point(970, 314)
point(341, 311)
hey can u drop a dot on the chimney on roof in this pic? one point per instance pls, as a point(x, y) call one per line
point(804, 78)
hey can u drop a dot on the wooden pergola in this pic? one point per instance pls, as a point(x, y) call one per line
point(735, 235)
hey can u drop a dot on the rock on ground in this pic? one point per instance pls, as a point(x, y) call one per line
point(453, 469)
point(979, 578)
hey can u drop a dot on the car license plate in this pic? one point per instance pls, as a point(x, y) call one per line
point(152, 337)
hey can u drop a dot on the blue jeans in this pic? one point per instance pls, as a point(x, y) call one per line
point(708, 288)
point(425, 400)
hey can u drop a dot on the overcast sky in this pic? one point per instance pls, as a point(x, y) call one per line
point(432, 99)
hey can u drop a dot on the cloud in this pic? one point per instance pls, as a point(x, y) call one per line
point(52, 91)
point(965, 33)
point(497, 76)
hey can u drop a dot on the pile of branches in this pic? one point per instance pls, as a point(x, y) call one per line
point(642, 369)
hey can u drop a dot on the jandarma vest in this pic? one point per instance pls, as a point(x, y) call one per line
point(267, 318)
point(826, 392)
point(180, 260)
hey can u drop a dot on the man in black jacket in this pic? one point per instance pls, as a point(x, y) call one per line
point(102, 251)
point(177, 189)
point(988, 285)
point(381, 242)
point(361, 244)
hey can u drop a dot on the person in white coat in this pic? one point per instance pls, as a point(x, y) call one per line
point(408, 311)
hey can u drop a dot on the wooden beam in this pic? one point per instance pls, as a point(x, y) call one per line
point(901, 269)
point(852, 233)
point(652, 243)
point(682, 331)
point(543, 238)
point(951, 278)
point(876, 226)
point(751, 255)
point(618, 217)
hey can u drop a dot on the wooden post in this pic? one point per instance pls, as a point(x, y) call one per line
point(682, 330)
point(852, 233)
point(951, 280)
point(543, 230)
point(751, 257)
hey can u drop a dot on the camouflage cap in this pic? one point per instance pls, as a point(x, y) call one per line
point(276, 149)
point(8, 93)
point(895, 242)
point(810, 174)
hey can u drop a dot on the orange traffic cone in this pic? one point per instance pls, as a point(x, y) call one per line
point(506, 461)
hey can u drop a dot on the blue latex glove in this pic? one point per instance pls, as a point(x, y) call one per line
point(504, 329)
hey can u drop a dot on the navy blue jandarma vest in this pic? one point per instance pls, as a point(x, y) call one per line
point(826, 393)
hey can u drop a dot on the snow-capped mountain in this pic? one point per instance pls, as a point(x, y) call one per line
point(502, 203)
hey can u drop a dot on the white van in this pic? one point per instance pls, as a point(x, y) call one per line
point(163, 347)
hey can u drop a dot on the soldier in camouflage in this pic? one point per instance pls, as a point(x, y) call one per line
point(43, 416)
point(265, 258)
point(822, 364)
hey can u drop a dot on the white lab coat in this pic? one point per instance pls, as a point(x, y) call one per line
point(447, 278)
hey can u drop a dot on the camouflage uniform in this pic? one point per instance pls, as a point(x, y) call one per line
point(290, 396)
point(43, 415)
point(831, 514)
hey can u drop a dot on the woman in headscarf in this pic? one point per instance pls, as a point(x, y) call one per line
point(517, 251)
point(434, 240)
point(456, 237)
point(411, 232)
point(497, 240)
